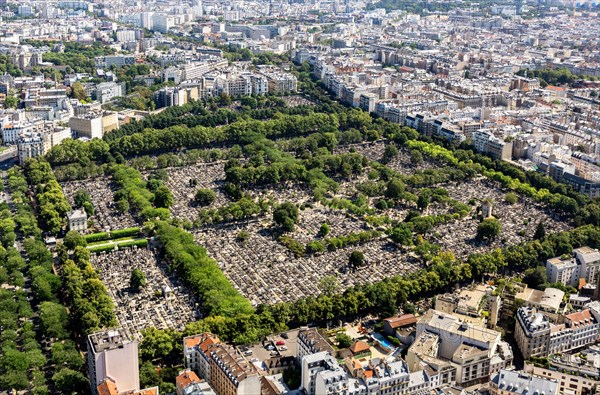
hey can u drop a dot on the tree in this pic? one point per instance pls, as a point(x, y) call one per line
point(426, 250)
point(540, 231)
point(155, 343)
point(78, 92)
point(65, 354)
point(204, 196)
point(343, 340)
point(89, 208)
point(137, 280)
point(535, 276)
point(389, 153)
point(511, 198)
point(163, 198)
point(69, 381)
point(409, 308)
point(423, 200)
point(489, 229)
point(11, 102)
point(286, 216)
point(416, 157)
point(357, 258)
point(81, 196)
point(329, 285)
point(74, 239)
point(54, 320)
point(149, 376)
point(402, 234)
point(324, 230)
point(122, 205)
point(395, 189)
point(224, 99)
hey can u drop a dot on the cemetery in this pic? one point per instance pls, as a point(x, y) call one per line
point(106, 216)
point(163, 302)
point(268, 265)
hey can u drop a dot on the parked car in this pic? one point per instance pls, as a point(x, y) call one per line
point(248, 352)
point(283, 348)
point(270, 347)
point(280, 343)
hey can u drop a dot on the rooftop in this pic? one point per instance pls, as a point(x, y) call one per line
point(581, 318)
point(401, 320)
point(438, 322)
point(520, 383)
point(186, 378)
point(107, 340)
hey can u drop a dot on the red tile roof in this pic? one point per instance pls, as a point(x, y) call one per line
point(107, 387)
point(581, 318)
point(359, 347)
point(186, 378)
point(401, 320)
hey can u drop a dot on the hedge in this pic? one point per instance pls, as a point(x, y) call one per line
point(114, 234)
point(96, 237)
point(117, 234)
point(125, 244)
point(102, 248)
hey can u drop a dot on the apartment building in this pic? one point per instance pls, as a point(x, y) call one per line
point(532, 332)
point(94, 123)
point(310, 341)
point(322, 375)
point(537, 336)
point(468, 302)
point(485, 142)
point(584, 328)
point(241, 85)
point(114, 60)
point(30, 145)
point(567, 383)
point(231, 374)
point(547, 301)
point(472, 350)
point(39, 140)
point(173, 96)
point(12, 130)
point(583, 263)
point(113, 356)
point(108, 91)
point(281, 82)
point(196, 353)
point(40, 97)
point(508, 382)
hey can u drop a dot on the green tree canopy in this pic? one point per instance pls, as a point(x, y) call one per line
point(286, 216)
point(356, 259)
point(343, 340)
point(74, 239)
point(137, 280)
point(163, 198)
point(204, 196)
point(489, 229)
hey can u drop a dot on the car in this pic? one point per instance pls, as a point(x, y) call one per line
point(253, 360)
point(248, 352)
point(270, 347)
point(280, 343)
point(274, 353)
point(284, 335)
point(283, 348)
